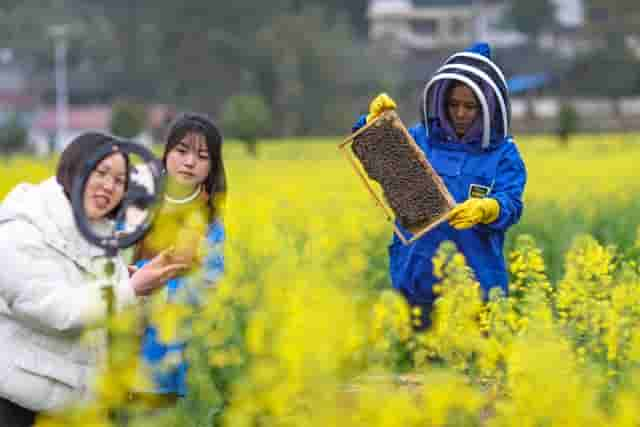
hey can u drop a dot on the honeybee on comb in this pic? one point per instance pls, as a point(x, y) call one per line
point(410, 186)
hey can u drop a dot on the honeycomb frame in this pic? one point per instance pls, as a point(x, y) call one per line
point(387, 129)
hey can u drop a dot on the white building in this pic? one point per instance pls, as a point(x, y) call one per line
point(82, 119)
point(425, 25)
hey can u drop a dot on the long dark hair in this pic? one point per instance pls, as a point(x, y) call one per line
point(77, 153)
point(216, 182)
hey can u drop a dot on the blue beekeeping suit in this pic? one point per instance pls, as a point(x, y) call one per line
point(485, 162)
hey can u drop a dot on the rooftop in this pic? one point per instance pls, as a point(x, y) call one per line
point(440, 3)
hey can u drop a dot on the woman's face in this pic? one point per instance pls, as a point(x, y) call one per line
point(463, 108)
point(105, 187)
point(188, 162)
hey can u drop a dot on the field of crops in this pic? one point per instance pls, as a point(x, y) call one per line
point(303, 330)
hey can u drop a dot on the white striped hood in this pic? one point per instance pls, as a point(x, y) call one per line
point(475, 69)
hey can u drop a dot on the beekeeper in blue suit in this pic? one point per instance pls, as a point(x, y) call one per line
point(464, 132)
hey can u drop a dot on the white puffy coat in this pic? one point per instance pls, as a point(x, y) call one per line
point(50, 280)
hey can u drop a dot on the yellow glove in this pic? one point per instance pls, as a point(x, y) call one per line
point(474, 211)
point(380, 103)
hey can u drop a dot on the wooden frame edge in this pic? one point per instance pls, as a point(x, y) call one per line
point(393, 116)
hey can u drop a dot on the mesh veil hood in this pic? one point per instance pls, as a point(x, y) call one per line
point(475, 69)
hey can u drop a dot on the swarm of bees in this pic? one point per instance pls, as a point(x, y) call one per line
point(409, 184)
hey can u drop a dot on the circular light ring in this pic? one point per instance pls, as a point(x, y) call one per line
point(111, 244)
point(476, 89)
point(486, 79)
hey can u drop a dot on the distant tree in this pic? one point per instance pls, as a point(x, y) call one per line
point(299, 55)
point(567, 123)
point(591, 72)
point(211, 52)
point(309, 68)
point(354, 10)
point(26, 28)
point(158, 130)
point(247, 118)
point(13, 136)
point(9, 5)
point(128, 119)
point(608, 17)
point(530, 17)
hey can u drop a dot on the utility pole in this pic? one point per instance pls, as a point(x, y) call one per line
point(476, 20)
point(60, 33)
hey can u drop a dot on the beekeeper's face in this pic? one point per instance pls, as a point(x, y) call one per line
point(462, 108)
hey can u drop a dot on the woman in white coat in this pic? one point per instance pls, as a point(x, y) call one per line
point(50, 280)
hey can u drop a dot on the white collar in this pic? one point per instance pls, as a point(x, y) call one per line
point(187, 199)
